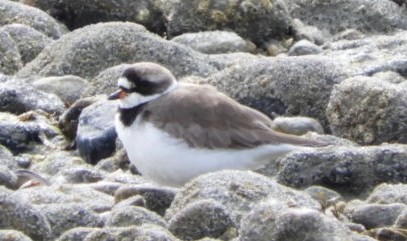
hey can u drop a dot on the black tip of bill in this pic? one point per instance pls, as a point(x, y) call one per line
point(116, 95)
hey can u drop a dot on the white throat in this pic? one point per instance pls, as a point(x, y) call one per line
point(135, 99)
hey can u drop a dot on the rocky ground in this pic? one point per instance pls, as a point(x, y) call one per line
point(337, 68)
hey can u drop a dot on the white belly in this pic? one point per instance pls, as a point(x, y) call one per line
point(170, 161)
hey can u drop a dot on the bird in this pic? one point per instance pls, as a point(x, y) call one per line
point(174, 131)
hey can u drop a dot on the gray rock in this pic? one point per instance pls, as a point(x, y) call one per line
point(136, 200)
point(96, 135)
point(13, 235)
point(368, 111)
point(238, 191)
point(388, 194)
point(297, 125)
point(326, 197)
point(6, 158)
point(304, 47)
point(401, 221)
point(348, 34)
point(120, 160)
point(283, 85)
point(215, 42)
point(55, 162)
point(20, 13)
point(65, 216)
point(388, 234)
point(257, 21)
point(135, 233)
point(370, 55)
point(19, 136)
point(275, 221)
point(88, 50)
point(82, 175)
point(130, 215)
point(347, 170)
point(10, 59)
point(80, 194)
point(157, 199)
point(69, 88)
point(30, 42)
point(19, 214)
point(76, 13)
point(203, 218)
point(390, 76)
point(8, 178)
point(68, 121)
point(310, 33)
point(374, 215)
point(336, 15)
point(26, 98)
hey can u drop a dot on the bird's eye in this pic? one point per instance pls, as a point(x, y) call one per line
point(124, 89)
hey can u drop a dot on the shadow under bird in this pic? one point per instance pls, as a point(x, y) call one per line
point(173, 132)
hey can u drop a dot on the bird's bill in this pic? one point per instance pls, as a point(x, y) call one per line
point(119, 94)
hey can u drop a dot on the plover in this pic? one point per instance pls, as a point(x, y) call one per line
point(173, 132)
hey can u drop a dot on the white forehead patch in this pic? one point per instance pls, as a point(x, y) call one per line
point(123, 82)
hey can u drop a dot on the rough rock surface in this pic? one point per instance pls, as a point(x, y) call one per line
point(349, 170)
point(368, 111)
point(96, 136)
point(30, 42)
point(256, 20)
point(10, 59)
point(215, 42)
point(337, 15)
point(88, 50)
point(20, 13)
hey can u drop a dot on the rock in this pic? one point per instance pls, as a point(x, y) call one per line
point(120, 160)
point(348, 170)
point(55, 162)
point(68, 121)
point(157, 199)
point(370, 55)
point(310, 33)
point(19, 13)
point(283, 85)
point(374, 215)
point(238, 191)
point(82, 175)
point(304, 47)
point(21, 215)
point(388, 234)
point(96, 135)
point(368, 111)
point(76, 14)
point(80, 194)
point(19, 136)
point(88, 50)
point(8, 178)
point(137, 233)
point(130, 215)
point(13, 235)
point(348, 34)
point(136, 200)
point(367, 16)
point(389, 193)
point(326, 197)
point(297, 125)
point(10, 59)
point(272, 220)
point(6, 158)
point(69, 88)
point(257, 21)
point(65, 216)
point(215, 42)
point(204, 218)
point(390, 76)
point(30, 42)
point(401, 221)
point(26, 98)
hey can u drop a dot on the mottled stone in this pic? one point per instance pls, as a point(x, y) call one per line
point(125, 216)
